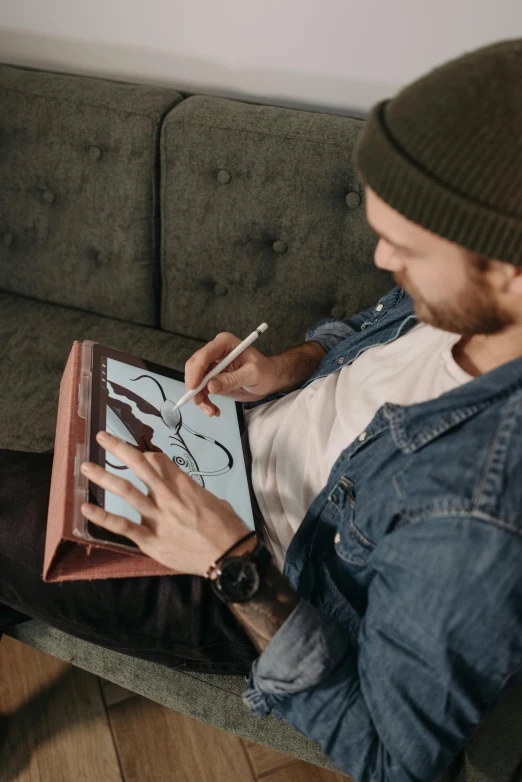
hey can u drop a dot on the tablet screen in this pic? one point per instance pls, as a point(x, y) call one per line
point(127, 397)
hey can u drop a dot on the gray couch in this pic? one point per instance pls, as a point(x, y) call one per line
point(150, 221)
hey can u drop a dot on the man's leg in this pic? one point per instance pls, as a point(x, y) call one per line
point(10, 617)
point(177, 621)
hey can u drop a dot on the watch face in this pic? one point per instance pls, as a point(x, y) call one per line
point(239, 579)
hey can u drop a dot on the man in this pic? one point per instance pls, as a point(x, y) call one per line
point(386, 464)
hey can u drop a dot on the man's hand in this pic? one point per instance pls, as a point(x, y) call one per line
point(183, 526)
point(251, 376)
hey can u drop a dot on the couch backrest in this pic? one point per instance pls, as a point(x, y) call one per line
point(78, 191)
point(263, 219)
point(262, 212)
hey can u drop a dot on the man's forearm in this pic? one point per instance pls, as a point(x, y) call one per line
point(298, 364)
point(263, 615)
point(266, 612)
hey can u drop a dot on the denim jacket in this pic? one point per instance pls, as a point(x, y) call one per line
point(409, 568)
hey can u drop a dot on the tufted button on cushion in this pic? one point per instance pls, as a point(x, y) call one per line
point(47, 196)
point(220, 290)
point(353, 199)
point(279, 246)
point(224, 176)
point(8, 239)
point(103, 257)
point(95, 152)
point(337, 312)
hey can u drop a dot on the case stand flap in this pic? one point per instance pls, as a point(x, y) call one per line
point(67, 557)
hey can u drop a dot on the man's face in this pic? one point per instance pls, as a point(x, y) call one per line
point(451, 289)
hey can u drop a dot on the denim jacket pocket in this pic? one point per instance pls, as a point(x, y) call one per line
point(353, 546)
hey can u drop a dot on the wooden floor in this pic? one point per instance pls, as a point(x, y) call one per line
point(61, 724)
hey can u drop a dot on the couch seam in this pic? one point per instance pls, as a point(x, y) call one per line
point(262, 133)
point(82, 103)
point(164, 277)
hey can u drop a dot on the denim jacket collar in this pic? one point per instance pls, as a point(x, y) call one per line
point(414, 426)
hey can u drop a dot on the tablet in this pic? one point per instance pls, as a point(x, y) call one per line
point(126, 394)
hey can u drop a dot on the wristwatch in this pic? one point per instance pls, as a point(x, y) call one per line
point(239, 578)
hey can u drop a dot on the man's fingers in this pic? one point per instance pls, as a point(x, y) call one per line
point(159, 462)
point(165, 467)
point(203, 402)
point(121, 487)
point(201, 397)
point(207, 357)
point(119, 525)
point(132, 458)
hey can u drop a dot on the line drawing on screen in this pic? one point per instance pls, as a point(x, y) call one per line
point(127, 426)
point(209, 450)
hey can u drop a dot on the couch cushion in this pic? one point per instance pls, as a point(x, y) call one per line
point(78, 192)
point(263, 219)
point(36, 338)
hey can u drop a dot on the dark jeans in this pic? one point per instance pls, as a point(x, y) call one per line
point(177, 621)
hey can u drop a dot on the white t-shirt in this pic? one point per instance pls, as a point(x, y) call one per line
point(295, 440)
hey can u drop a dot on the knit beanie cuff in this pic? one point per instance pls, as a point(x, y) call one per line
point(420, 196)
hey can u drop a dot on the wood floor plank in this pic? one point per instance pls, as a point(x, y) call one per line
point(113, 693)
point(156, 743)
point(264, 759)
point(305, 772)
point(54, 722)
point(57, 731)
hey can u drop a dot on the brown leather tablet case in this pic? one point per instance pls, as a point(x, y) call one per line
point(68, 557)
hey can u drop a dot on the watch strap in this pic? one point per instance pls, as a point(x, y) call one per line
point(241, 540)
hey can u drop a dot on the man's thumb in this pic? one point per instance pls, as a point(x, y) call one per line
point(226, 381)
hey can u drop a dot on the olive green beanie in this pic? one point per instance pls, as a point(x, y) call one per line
point(446, 151)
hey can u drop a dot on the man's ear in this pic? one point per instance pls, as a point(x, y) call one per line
point(513, 278)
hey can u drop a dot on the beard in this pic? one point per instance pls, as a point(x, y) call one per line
point(473, 310)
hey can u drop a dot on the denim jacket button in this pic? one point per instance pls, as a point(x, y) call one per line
point(363, 436)
point(337, 538)
point(379, 307)
point(340, 360)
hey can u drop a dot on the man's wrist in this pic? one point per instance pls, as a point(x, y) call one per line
point(237, 551)
point(247, 545)
point(296, 365)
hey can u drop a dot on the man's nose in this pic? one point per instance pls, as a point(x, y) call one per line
point(385, 257)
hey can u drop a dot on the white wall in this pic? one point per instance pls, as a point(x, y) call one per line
point(336, 55)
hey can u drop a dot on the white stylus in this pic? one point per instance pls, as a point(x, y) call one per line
point(222, 364)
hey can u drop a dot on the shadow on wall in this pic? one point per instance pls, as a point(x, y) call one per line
point(189, 75)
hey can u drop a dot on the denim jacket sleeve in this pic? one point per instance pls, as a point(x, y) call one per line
point(329, 332)
point(439, 642)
